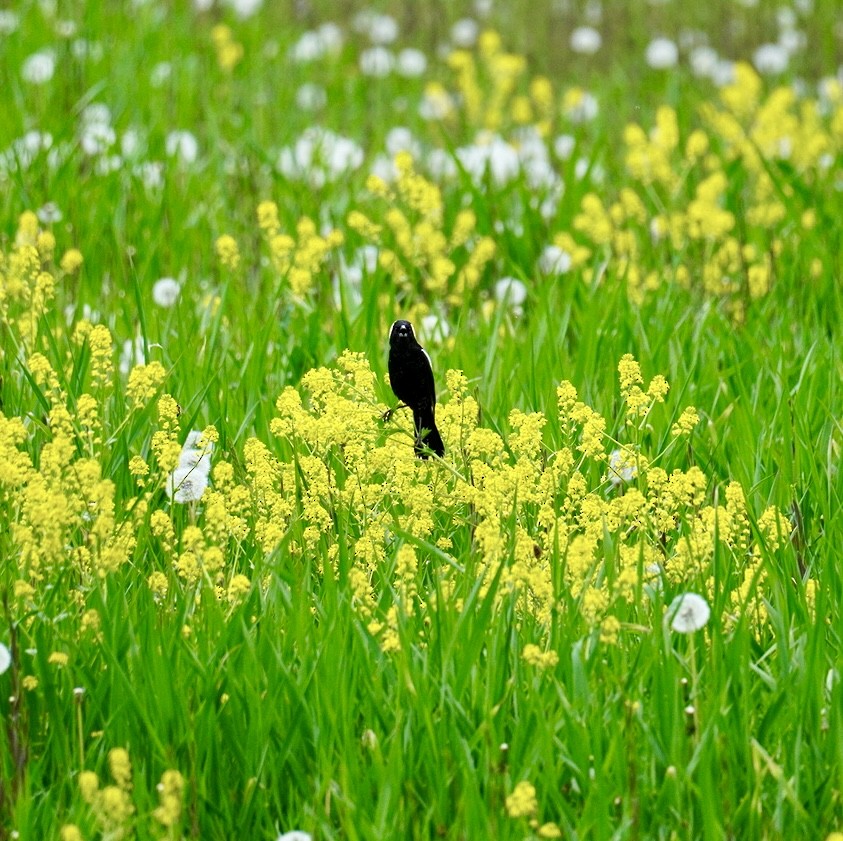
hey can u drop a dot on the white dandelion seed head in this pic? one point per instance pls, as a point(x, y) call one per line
point(311, 97)
point(97, 138)
point(400, 139)
point(151, 174)
point(411, 63)
point(380, 28)
point(377, 62)
point(441, 165)
point(182, 145)
point(724, 73)
point(9, 21)
point(435, 328)
point(512, 291)
point(295, 835)
point(309, 47)
point(586, 40)
point(621, 467)
point(662, 54)
point(585, 110)
point(187, 484)
point(554, 260)
point(771, 59)
point(330, 34)
point(244, 9)
point(792, 40)
point(315, 44)
point(703, 61)
point(49, 213)
point(5, 658)
point(688, 612)
point(132, 354)
point(96, 114)
point(160, 74)
point(464, 32)
point(165, 292)
point(564, 145)
point(436, 104)
point(131, 143)
point(39, 68)
point(196, 451)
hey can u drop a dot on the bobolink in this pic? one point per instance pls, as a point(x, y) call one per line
point(411, 378)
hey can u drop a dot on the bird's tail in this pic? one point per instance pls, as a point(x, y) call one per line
point(427, 435)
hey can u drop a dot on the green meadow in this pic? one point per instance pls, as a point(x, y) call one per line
point(235, 604)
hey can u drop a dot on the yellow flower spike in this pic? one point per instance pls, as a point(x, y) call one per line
point(522, 803)
point(228, 252)
point(144, 382)
point(71, 261)
point(88, 786)
point(27, 232)
point(533, 655)
point(120, 767)
point(267, 213)
point(158, 584)
point(170, 795)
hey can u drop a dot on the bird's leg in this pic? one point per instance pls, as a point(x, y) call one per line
point(387, 415)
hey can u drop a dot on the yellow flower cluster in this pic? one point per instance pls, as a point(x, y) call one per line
point(529, 509)
point(170, 795)
point(487, 85)
point(64, 509)
point(229, 51)
point(111, 805)
point(522, 803)
point(675, 221)
point(228, 251)
point(299, 258)
point(26, 285)
point(417, 248)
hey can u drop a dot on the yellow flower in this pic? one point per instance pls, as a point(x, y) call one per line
point(57, 658)
point(144, 382)
point(120, 767)
point(227, 251)
point(88, 785)
point(533, 655)
point(158, 583)
point(522, 802)
point(170, 793)
point(238, 587)
point(70, 832)
point(71, 261)
point(686, 422)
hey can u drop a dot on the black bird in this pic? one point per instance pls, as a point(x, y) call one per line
point(411, 378)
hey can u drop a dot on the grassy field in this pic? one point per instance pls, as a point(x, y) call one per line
point(233, 603)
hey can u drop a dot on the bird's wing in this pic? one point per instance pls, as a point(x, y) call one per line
point(430, 387)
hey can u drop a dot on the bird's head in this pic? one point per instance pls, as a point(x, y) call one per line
point(401, 332)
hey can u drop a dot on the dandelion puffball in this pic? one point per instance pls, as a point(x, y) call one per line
point(165, 292)
point(688, 612)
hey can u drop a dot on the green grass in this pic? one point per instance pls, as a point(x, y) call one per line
point(283, 711)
